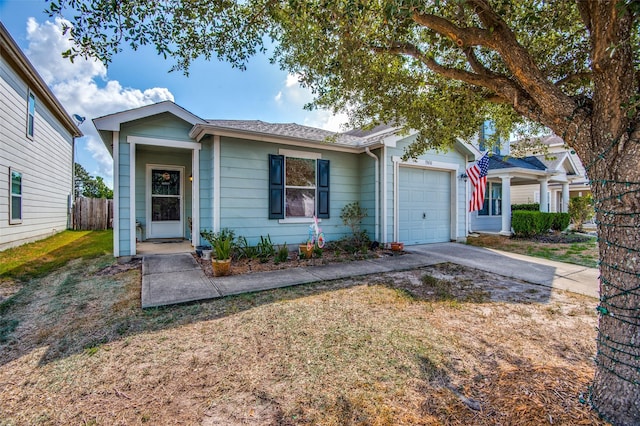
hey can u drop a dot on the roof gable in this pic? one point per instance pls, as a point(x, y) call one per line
point(112, 122)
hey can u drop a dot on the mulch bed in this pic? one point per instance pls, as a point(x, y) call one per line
point(248, 266)
point(560, 238)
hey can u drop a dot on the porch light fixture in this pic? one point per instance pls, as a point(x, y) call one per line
point(190, 178)
point(463, 176)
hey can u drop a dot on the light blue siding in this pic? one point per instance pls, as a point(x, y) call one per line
point(161, 126)
point(452, 156)
point(244, 196)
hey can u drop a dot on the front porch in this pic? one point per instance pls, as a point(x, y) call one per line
point(163, 246)
point(518, 181)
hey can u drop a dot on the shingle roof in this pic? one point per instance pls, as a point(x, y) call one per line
point(291, 130)
point(500, 162)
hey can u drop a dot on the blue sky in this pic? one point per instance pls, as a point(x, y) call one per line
point(213, 90)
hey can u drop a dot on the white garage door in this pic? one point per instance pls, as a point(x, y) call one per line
point(424, 206)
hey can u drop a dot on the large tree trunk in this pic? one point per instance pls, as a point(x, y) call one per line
point(616, 388)
point(606, 135)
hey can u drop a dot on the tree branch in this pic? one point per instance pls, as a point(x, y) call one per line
point(504, 89)
point(462, 37)
point(573, 77)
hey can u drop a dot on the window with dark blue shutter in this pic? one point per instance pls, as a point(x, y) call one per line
point(323, 189)
point(276, 186)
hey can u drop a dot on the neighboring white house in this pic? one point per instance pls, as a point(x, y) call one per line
point(36, 152)
point(549, 180)
point(557, 157)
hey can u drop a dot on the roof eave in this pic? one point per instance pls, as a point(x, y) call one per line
point(11, 50)
point(199, 131)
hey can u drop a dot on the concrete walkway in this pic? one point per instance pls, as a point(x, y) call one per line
point(177, 278)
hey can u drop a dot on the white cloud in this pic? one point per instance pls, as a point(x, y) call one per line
point(74, 84)
point(294, 96)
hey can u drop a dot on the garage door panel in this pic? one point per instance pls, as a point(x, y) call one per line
point(424, 204)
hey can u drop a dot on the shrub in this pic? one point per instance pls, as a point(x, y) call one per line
point(560, 221)
point(581, 210)
point(529, 223)
point(265, 248)
point(352, 215)
point(244, 250)
point(534, 207)
point(282, 255)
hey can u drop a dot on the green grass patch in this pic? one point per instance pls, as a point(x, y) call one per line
point(40, 258)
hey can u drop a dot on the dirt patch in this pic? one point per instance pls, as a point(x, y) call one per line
point(119, 268)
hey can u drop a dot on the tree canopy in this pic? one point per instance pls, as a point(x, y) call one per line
point(442, 67)
point(89, 186)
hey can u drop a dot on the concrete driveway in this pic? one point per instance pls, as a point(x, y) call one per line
point(177, 278)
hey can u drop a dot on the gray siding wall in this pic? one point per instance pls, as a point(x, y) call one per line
point(44, 161)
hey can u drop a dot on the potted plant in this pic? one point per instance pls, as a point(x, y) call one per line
point(222, 246)
point(305, 250)
point(396, 246)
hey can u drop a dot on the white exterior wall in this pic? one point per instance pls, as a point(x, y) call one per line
point(44, 161)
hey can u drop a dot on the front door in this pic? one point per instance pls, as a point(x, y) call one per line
point(165, 188)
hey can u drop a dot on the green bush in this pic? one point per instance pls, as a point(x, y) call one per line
point(560, 221)
point(531, 223)
point(581, 210)
point(533, 207)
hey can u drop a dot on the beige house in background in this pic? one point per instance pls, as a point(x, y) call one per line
point(565, 162)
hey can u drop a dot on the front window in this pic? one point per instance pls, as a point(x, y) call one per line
point(15, 197)
point(492, 200)
point(31, 114)
point(300, 187)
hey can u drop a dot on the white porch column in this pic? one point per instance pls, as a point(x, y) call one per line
point(195, 198)
point(132, 197)
point(506, 205)
point(544, 195)
point(565, 197)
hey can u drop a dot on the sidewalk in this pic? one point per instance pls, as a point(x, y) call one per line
point(177, 278)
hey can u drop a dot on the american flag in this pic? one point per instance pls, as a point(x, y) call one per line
point(478, 177)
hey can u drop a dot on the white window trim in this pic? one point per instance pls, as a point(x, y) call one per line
point(488, 191)
point(30, 94)
point(13, 221)
point(308, 156)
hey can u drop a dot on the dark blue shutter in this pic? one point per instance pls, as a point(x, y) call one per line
point(276, 186)
point(323, 189)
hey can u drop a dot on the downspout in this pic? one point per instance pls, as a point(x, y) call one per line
point(377, 191)
point(467, 213)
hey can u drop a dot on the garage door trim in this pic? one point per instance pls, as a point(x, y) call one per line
point(453, 170)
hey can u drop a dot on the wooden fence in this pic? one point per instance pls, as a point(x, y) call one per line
point(92, 214)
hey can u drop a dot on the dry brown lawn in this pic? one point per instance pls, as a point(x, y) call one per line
point(440, 345)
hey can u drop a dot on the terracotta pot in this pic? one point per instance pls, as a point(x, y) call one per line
point(221, 267)
point(397, 246)
point(305, 251)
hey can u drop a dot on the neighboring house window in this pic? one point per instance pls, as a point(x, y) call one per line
point(15, 197)
point(298, 186)
point(31, 114)
point(486, 131)
point(492, 200)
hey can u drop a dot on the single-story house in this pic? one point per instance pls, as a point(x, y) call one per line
point(176, 174)
point(37, 139)
point(507, 175)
